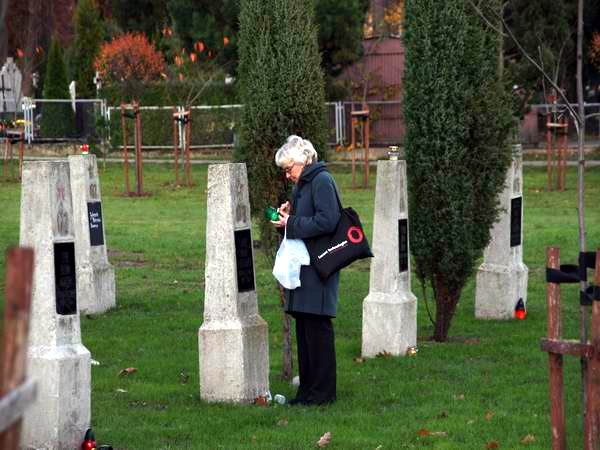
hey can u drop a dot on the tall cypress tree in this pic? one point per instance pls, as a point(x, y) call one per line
point(88, 35)
point(57, 118)
point(282, 91)
point(458, 120)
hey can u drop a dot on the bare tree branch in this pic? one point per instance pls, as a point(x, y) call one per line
point(487, 22)
point(535, 64)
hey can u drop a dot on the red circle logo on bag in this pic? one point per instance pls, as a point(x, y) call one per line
point(355, 235)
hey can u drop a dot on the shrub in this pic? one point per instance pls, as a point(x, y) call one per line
point(458, 120)
point(131, 60)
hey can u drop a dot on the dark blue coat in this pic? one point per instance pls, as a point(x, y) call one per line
point(315, 211)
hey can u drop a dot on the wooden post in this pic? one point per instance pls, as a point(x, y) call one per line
point(549, 152)
point(188, 138)
point(555, 359)
point(125, 149)
point(19, 276)
point(562, 157)
point(353, 146)
point(7, 156)
point(591, 433)
point(21, 153)
point(139, 170)
point(366, 136)
point(176, 144)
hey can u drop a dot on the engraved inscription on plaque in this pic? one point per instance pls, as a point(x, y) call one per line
point(403, 244)
point(95, 223)
point(244, 262)
point(64, 277)
point(516, 206)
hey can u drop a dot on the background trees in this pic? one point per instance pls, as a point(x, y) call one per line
point(88, 37)
point(457, 121)
point(57, 118)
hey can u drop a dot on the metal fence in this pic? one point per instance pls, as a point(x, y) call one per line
point(533, 127)
point(87, 116)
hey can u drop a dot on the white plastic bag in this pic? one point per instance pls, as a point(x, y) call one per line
point(291, 255)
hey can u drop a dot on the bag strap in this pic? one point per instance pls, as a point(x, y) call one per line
point(337, 195)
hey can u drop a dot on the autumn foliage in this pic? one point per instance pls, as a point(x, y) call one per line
point(595, 50)
point(130, 57)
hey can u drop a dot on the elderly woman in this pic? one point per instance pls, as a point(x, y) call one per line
point(314, 211)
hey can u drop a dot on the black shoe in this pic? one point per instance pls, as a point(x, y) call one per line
point(320, 402)
point(297, 401)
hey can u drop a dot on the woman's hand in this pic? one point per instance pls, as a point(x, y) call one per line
point(283, 217)
point(284, 212)
point(284, 208)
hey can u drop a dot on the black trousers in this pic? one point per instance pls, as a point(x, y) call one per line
point(316, 358)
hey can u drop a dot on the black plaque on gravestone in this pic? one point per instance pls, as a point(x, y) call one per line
point(244, 262)
point(516, 206)
point(95, 223)
point(403, 244)
point(64, 278)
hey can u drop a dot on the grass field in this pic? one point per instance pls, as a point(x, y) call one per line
point(487, 388)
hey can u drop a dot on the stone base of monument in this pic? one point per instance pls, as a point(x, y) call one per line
point(238, 373)
point(97, 287)
point(389, 323)
point(498, 290)
point(61, 414)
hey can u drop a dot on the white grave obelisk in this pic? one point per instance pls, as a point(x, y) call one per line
point(390, 309)
point(233, 339)
point(56, 358)
point(95, 275)
point(502, 278)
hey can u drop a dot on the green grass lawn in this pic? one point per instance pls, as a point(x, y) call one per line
point(488, 385)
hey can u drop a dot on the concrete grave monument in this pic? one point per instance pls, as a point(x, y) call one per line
point(95, 275)
point(56, 358)
point(233, 340)
point(390, 309)
point(10, 87)
point(502, 278)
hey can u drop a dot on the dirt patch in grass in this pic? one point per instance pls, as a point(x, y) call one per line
point(127, 259)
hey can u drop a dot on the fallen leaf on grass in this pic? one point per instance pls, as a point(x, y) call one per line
point(127, 371)
point(426, 432)
point(324, 440)
point(459, 397)
point(530, 438)
point(489, 415)
point(121, 390)
point(443, 415)
point(261, 401)
point(492, 445)
point(283, 422)
point(183, 377)
point(383, 354)
point(359, 360)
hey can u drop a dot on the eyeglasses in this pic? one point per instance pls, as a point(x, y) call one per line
point(288, 170)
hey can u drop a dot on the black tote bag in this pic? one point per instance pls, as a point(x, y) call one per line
point(332, 252)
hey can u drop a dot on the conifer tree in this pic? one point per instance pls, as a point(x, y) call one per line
point(282, 91)
point(57, 118)
point(458, 120)
point(88, 36)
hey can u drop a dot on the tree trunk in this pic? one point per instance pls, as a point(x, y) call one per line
point(445, 307)
point(287, 367)
point(583, 310)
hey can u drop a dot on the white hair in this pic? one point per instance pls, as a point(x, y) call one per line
point(296, 150)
